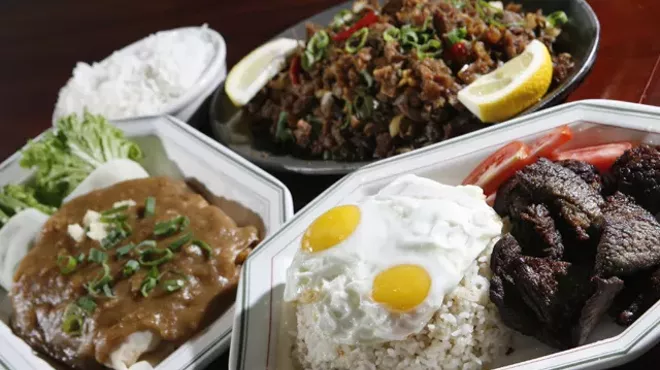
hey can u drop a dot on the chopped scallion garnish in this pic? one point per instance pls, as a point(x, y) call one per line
point(131, 267)
point(166, 228)
point(115, 217)
point(177, 244)
point(121, 252)
point(456, 35)
point(94, 287)
point(72, 320)
point(108, 291)
point(154, 256)
point(392, 34)
point(81, 258)
point(144, 245)
point(86, 303)
point(557, 18)
point(115, 210)
point(150, 281)
point(150, 207)
point(97, 256)
point(118, 233)
point(67, 264)
point(357, 40)
point(202, 244)
point(173, 285)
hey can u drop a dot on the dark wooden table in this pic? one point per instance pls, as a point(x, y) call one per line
point(43, 39)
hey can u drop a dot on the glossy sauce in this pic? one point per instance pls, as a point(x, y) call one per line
point(41, 292)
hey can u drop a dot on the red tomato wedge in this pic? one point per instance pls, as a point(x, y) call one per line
point(546, 145)
point(499, 166)
point(602, 156)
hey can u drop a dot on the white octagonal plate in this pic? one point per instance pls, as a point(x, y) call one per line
point(174, 149)
point(260, 339)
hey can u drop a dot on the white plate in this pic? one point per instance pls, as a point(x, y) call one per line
point(259, 342)
point(173, 149)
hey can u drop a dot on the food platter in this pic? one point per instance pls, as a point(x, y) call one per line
point(175, 150)
point(580, 38)
point(594, 122)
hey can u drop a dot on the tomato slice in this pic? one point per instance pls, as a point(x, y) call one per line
point(601, 156)
point(499, 166)
point(546, 145)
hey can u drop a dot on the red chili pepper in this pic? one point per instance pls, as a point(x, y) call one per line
point(459, 50)
point(368, 19)
point(294, 70)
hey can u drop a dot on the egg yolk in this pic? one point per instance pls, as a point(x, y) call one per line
point(331, 228)
point(401, 288)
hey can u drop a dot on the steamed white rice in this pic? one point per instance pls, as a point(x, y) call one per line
point(465, 333)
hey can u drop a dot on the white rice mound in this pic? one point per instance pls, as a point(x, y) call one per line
point(465, 333)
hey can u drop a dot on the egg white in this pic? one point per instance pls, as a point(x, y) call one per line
point(411, 221)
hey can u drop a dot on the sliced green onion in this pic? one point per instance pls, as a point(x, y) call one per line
point(177, 244)
point(357, 40)
point(97, 256)
point(169, 227)
point(108, 291)
point(173, 285)
point(392, 34)
point(409, 37)
point(341, 18)
point(115, 210)
point(367, 78)
point(148, 256)
point(94, 286)
point(364, 106)
point(557, 18)
point(81, 258)
point(318, 43)
point(456, 35)
point(115, 236)
point(73, 320)
point(144, 245)
point(150, 281)
point(125, 249)
point(307, 60)
point(150, 207)
point(283, 132)
point(86, 303)
point(431, 49)
point(131, 267)
point(67, 264)
point(202, 244)
point(115, 217)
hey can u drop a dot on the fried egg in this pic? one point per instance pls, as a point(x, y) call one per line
point(379, 269)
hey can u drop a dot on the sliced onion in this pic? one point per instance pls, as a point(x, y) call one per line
point(108, 174)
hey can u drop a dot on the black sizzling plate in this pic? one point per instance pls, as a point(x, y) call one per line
point(579, 37)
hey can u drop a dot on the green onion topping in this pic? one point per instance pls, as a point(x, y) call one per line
point(118, 233)
point(150, 207)
point(456, 35)
point(72, 320)
point(341, 18)
point(315, 49)
point(169, 227)
point(173, 285)
point(150, 281)
point(115, 217)
point(115, 210)
point(177, 244)
point(283, 132)
point(95, 286)
point(557, 18)
point(409, 37)
point(86, 303)
point(202, 244)
point(144, 245)
point(67, 264)
point(125, 249)
point(431, 49)
point(81, 258)
point(392, 34)
point(108, 291)
point(155, 256)
point(97, 256)
point(131, 267)
point(357, 40)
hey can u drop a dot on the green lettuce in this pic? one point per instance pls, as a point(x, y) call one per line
point(64, 158)
point(15, 198)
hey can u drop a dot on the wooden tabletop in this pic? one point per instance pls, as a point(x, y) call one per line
point(43, 39)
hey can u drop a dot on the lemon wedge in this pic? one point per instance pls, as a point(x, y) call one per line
point(508, 90)
point(254, 71)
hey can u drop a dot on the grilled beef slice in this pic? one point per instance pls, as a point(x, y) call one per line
point(545, 198)
point(637, 173)
point(585, 171)
point(641, 295)
point(630, 240)
point(554, 301)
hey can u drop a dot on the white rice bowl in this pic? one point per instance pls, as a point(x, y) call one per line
point(465, 333)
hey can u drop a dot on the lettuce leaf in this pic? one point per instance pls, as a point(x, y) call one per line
point(64, 158)
point(15, 198)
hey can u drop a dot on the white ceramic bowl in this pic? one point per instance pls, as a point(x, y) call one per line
point(174, 149)
point(260, 339)
point(185, 106)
